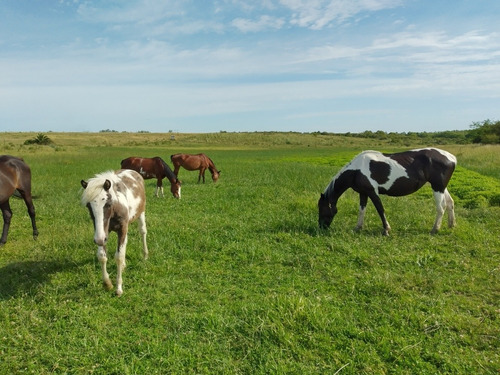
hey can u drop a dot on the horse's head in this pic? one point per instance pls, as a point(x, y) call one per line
point(98, 201)
point(175, 188)
point(326, 212)
point(215, 175)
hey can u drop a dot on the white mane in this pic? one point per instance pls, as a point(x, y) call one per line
point(95, 185)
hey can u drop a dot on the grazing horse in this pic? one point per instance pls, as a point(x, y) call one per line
point(199, 162)
point(372, 173)
point(15, 174)
point(114, 200)
point(154, 168)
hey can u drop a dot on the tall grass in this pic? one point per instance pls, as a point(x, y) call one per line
point(240, 280)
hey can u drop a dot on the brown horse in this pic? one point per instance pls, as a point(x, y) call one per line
point(199, 162)
point(15, 174)
point(154, 168)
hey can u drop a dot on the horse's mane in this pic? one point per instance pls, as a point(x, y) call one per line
point(211, 162)
point(95, 185)
point(167, 169)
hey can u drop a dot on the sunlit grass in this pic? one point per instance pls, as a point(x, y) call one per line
point(241, 281)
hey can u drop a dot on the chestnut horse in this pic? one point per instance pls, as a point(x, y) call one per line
point(199, 162)
point(15, 174)
point(114, 200)
point(372, 173)
point(154, 168)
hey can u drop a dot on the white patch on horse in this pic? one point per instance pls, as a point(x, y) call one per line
point(362, 163)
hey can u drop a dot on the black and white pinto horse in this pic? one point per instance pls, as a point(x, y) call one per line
point(115, 199)
point(372, 173)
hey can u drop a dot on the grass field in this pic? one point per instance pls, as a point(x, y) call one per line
point(240, 280)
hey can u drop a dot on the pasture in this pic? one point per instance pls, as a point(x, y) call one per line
point(240, 279)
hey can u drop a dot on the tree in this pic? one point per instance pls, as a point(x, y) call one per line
point(485, 132)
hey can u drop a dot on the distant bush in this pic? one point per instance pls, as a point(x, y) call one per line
point(40, 139)
point(485, 132)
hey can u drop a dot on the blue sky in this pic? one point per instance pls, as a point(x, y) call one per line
point(262, 65)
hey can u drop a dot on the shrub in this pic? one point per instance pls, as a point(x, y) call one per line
point(40, 139)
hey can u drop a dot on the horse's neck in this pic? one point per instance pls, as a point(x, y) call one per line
point(337, 187)
point(169, 174)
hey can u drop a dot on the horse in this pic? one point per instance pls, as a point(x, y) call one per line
point(15, 175)
point(114, 200)
point(154, 168)
point(199, 162)
point(372, 173)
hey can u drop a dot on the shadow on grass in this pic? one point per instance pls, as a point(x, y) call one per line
point(25, 277)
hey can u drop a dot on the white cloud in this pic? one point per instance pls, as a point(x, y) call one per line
point(317, 14)
point(263, 23)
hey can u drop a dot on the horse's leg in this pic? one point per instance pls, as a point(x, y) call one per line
point(451, 208)
point(159, 186)
point(7, 215)
point(380, 209)
point(176, 169)
point(103, 259)
point(143, 231)
point(363, 200)
point(199, 176)
point(440, 199)
point(31, 211)
point(120, 258)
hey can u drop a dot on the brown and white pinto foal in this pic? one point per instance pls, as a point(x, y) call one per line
point(372, 173)
point(154, 168)
point(115, 199)
point(15, 174)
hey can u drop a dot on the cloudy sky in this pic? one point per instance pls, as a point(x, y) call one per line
point(248, 65)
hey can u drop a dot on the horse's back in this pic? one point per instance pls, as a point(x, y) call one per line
point(14, 172)
point(130, 163)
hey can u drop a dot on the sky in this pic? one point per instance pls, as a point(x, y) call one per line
point(263, 65)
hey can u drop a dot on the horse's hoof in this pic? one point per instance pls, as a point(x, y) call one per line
point(119, 293)
point(107, 285)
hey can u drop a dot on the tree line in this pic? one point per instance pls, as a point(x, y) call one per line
point(485, 132)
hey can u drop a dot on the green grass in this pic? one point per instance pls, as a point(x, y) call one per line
point(240, 280)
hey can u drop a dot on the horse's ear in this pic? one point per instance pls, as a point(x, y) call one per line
point(84, 184)
point(107, 185)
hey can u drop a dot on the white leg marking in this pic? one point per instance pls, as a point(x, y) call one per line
point(361, 217)
point(440, 208)
point(450, 205)
point(120, 265)
point(103, 259)
point(143, 230)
